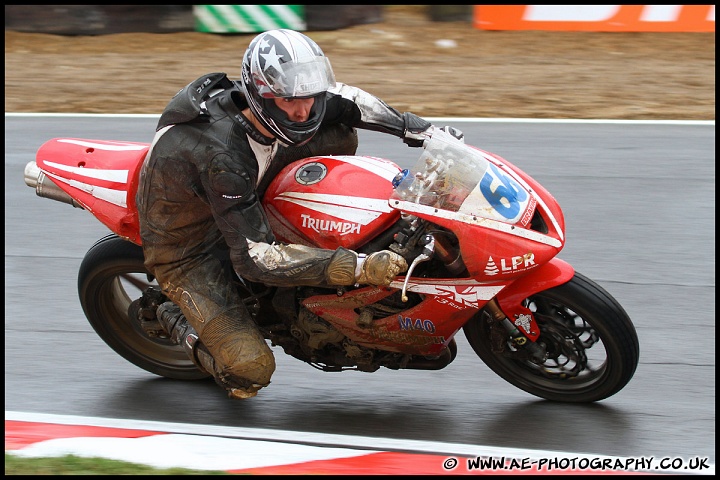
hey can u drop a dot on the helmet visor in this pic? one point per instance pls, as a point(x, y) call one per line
point(297, 79)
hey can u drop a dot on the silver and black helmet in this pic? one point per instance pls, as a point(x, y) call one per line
point(287, 64)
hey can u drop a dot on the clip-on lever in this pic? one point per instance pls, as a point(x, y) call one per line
point(426, 255)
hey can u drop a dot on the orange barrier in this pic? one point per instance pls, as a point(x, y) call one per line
point(596, 18)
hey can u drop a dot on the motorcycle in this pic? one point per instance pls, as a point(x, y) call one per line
point(481, 238)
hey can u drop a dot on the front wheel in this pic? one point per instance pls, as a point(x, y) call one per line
point(592, 348)
point(112, 276)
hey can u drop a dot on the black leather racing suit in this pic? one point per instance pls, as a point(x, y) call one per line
point(199, 205)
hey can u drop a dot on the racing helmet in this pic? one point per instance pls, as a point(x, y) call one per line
point(287, 64)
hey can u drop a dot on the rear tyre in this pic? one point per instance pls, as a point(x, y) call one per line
point(593, 349)
point(112, 275)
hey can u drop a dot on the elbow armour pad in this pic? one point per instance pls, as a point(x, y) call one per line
point(234, 199)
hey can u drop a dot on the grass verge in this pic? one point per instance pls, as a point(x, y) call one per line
point(72, 465)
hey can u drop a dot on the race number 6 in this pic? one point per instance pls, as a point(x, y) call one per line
point(502, 192)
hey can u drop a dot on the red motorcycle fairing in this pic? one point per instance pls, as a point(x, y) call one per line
point(100, 175)
point(423, 329)
point(428, 327)
point(332, 201)
point(491, 216)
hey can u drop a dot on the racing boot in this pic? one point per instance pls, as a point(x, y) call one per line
point(182, 333)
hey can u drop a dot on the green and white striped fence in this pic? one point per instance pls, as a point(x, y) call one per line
point(248, 18)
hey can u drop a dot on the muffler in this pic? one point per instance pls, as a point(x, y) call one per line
point(46, 188)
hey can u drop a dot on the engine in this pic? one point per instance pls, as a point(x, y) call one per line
point(313, 340)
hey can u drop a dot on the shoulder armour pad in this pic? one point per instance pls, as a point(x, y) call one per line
point(185, 105)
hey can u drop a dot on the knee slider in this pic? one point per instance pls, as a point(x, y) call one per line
point(242, 357)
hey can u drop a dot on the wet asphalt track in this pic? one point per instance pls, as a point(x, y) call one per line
point(639, 203)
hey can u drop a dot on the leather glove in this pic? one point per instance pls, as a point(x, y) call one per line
point(418, 130)
point(379, 268)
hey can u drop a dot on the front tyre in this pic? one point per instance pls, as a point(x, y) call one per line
point(592, 346)
point(112, 275)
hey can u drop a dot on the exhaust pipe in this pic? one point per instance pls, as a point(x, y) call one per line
point(46, 188)
point(445, 359)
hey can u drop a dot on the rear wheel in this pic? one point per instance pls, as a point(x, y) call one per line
point(592, 346)
point(112, 276)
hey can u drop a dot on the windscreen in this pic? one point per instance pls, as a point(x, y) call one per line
point(452, 176)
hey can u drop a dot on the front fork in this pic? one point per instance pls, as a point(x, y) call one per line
point(536, 349)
